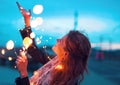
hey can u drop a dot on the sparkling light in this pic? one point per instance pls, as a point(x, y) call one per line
point(3, 51)
point(38, 40)
point(49, 57)
point(38, 9)
point(10, 58)
point(35, 73)
point(59, 67)
point(36, 22)
point(10, 45)
point(27, 42)
point(32, 35)
point(44, 46)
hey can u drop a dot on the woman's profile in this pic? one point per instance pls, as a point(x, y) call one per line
point(66, 68)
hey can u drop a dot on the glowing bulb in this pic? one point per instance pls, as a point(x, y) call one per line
point(49, 58)
point(10, 58)
point(10, 45)
point(32, 35)
point(35, 73)
point(38, 9)
point(3, 51)
point(27, 42)
point(59, 67)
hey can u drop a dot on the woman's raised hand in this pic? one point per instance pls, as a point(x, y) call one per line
point(25, 14)
point(22, 63)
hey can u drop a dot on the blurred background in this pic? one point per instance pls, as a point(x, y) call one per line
point(51, 19)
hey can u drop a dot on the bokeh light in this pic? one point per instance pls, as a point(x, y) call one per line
point(36, 22)
point(59, 67)
point(10, 58)
point(35, 73)
point(27, 42)
point(3, 51)
point(38, 9)
point(38, 40)
point(32, 35)
point(10, 45)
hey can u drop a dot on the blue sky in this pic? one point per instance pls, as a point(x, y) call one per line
point(98, 18)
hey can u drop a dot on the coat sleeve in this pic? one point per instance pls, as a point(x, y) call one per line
point(37, 54)
point(22, 81)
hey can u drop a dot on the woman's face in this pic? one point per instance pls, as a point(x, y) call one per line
point(58, 48)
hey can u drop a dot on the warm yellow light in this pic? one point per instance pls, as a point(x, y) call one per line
point(59, 67)
point(49, 58)
point(10, 58)
point(3, 51)
point(35, 73)
point(10, 45)
point(27, 42)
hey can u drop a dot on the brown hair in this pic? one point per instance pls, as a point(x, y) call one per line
point(75, 63)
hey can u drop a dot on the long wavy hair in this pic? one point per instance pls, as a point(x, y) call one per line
point(75, 62)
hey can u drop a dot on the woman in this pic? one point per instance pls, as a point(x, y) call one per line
point(67, 68)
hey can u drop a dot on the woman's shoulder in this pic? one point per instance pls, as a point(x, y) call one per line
point(43, 73)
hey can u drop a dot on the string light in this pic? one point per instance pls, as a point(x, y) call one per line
point(32, 35)
point(27, 42)
point(35, 73)
point(10, 58)
point(49, 58)
point(44, 46)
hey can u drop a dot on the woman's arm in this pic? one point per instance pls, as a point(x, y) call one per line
point(33, 50)
point(22, 81)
